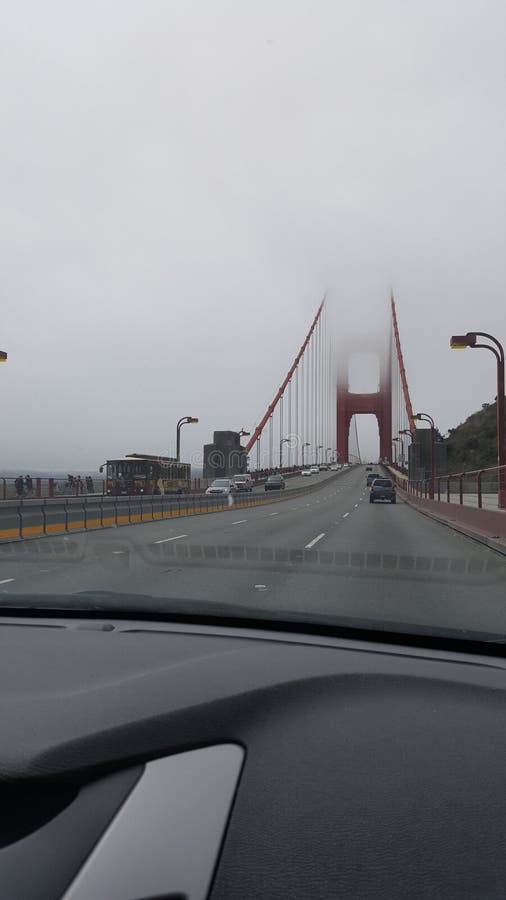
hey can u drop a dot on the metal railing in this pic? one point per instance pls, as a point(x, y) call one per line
point(38, 488)
point(478, 487)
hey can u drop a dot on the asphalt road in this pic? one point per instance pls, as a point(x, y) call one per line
point(54, 516)
point(329, 555)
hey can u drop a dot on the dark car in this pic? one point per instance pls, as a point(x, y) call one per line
point(370, 478)
point(368, 468)
point(275, 483)
point(382, 489)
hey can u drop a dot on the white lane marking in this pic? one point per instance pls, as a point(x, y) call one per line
point(260, 587)
point(273, 514)
point(308, 504)
point(356, 505)
point(6, 580)
point(314, 541)
point(294, 507)
point(346, 514)
point(240, 522)
point(176, 538)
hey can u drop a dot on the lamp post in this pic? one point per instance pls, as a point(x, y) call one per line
point(319, 447)
point(461, 342)
point(327, 451)
point(282, 441)
point(395, 441)
point(410, 434)
point(307, 444)
point(184, 421)
point(424, 417)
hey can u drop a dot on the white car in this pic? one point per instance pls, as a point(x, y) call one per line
point(242, 483)
point(306, 472)
point(314, 470)
point(334, 467)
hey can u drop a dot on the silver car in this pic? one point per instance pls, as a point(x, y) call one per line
point(223, 486)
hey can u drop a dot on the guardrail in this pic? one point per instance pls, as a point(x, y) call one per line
point(53, 516)
point(13, 488)
point(477, 487)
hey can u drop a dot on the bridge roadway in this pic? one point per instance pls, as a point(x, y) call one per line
point(327, 554)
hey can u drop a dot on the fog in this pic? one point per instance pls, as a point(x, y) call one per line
point(181, 182)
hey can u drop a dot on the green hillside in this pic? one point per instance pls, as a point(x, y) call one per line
point(472, 444)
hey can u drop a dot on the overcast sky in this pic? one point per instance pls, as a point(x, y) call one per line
point(181, 181)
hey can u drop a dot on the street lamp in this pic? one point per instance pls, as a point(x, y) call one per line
point(461, 342)
point(186, 420)
point(282, 441)
point(327, 451)
point(319, 447)
point(243, 433)
point(395, 441)
point(424, 417)
point(307, 444)
point(410, 434)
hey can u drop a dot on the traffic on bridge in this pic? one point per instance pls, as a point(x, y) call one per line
point(253, 450)
point(300, 522)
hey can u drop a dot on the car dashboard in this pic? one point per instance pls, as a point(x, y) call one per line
point(143, 758)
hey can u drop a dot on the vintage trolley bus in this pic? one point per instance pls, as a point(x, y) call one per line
point(140, 473)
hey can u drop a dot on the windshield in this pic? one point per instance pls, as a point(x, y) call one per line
point(330, 176)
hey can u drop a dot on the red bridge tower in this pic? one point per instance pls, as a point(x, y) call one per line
point(378, 403)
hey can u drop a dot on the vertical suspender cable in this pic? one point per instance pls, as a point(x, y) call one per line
point(297, 435)
point(270, 441)
point(289, 434)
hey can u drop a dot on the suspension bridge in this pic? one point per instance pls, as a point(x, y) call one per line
point(314, 412)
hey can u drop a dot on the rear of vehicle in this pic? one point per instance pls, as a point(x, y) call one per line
point(314, 470)
point(306, 472)
point(220, 486)
point(382, 489)
point(242, 483)
point(371, 477)
point(275, 483)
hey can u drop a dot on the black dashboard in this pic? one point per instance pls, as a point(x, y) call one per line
point(171, 760)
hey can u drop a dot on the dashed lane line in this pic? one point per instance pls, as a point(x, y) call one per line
point(345, 515)
point(240, 522)
point(7, 580)
point(314, 541)
point(176, 538)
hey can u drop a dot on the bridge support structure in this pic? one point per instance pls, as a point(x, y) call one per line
point(377, 403)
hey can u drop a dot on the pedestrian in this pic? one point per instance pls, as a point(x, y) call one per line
point(89, 484)
point(19, 485)
point(28, 485)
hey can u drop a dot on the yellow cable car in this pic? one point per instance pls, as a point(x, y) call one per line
point(140, 473)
